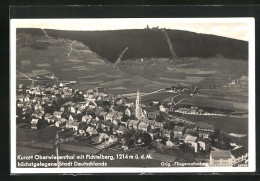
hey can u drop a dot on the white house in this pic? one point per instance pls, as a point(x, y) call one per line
point(221, 159)
point(192, 140)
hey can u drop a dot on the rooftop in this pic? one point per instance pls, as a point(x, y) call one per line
point(205, 126)
point(151, 109)
point(220, 154)
point(190, 138)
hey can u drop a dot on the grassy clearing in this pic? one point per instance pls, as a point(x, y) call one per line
point(224, 123)
point(25, 151)
point(46, 134)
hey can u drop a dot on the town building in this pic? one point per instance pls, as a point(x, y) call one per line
point(205, 130)
point(192, 141)
point(37, 123)
point(144, 126)
point(122, 130)
point(205, 144)
point(221, 159)
point(179, 130)
point(133, 124)
point(152, 112)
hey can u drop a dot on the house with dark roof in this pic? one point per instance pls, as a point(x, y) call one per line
point(110, 116)
point(106, 125)
point(117, 119)
point(133, 124)
point(152, 112)
point(124, 121)
point(205, 130)
point(98, 110)
point(103, 115)
point(221, 159)
point(154, 133)
point(86, 118)
point(242, 151)
point(37, 123)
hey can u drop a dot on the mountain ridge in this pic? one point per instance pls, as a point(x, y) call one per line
point(143, 43)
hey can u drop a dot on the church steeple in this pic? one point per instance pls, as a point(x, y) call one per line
point(138, 109)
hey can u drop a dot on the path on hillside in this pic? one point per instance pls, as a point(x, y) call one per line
point(24, 75)
point(174, 56)
point(71, 47)
point(142, 94)
point(120, 57)
point(45, 33)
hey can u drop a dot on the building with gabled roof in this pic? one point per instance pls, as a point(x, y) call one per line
point(152, 112)
point(192, 140)
point(133, 124)
point(122, 130)
point(103, 114)
point(86, 118)
point(205, 129)
point(221, 159)
point(204, 144)
point(57, 114)
point(144, 126)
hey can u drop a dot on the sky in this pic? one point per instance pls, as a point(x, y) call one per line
point(237, 28)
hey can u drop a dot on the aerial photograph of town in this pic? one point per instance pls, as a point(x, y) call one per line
point(148, 96)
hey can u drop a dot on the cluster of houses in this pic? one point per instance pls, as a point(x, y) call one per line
point(242, 82)
point(98, 116)
point(191, 110)
point(182, 89)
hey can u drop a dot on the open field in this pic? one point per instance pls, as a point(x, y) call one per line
point(220, 99)
point(224, 123)
point(150, 75)
point(46, 134)
point(25, 151)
